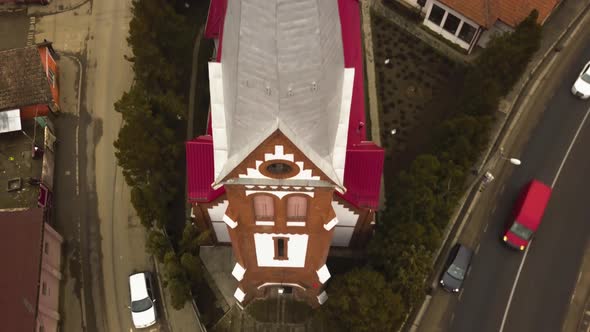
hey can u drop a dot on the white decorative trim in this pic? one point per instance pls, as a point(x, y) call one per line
point(238, 272)
point(274, 187)
point(346, 216)
point(296, 188)
point(249, 186)
point(218, 125)
point(296, 249)
point(279, 194)
point(265, 223)
point(280, 284)
point(239, 294)
point(285, 187)
point(193, 212)
point(322, 298)
point(229, 221)
point(339, 150)
point(323, 274)
point(216, 212)
point(296, 223)
point(279, 155)
point(331, 224)
point(309, 188)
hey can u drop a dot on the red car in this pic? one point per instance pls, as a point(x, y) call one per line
point(528, 212)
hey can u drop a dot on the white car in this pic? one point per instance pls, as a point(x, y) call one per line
point(581, 87)
point(143, 311)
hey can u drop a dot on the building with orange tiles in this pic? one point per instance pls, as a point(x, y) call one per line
point(470, 23)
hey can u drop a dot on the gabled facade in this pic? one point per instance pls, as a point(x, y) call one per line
point(284, 171)
point(29, 81)
point(474, 22)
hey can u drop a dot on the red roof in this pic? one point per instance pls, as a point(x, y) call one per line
point(200, 171)
point(511, 12)
point(362, 175)
point(364, 160)
point(20, 257)
point(350, 22)
point(214, 26)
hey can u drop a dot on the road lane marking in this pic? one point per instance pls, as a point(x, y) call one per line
point(486, 228)
point(477, 248)
point(460, 295)
point(570, 148)
point(529, 246)
point(493, 209)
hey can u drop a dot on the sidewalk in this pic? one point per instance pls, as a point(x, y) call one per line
point(562, 22)
point(54, 7)
point(183, 320)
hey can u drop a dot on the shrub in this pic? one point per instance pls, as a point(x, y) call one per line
point(362, 300)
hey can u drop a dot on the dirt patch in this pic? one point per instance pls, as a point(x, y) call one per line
point(415, 85)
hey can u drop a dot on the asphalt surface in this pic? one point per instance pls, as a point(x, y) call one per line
point(551, 268)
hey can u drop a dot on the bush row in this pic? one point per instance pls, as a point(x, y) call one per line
point(150, 145)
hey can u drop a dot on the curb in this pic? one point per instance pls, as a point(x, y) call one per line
point(498, 138)
point(72, 7)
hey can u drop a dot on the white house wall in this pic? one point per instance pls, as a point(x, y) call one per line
point(296, 250)
point(342, 236)
point(221, 232)
point(345, 216)
point(217, 212)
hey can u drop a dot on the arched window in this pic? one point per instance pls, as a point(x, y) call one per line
point(296, 208)
point(264, 207)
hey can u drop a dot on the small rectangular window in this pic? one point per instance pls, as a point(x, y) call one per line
point(51, 77)
point(466, 33)
point(281, 248)
point(451, 23)
point(436, 14)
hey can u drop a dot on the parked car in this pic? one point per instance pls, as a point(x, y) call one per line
point(581, 87)
point(143, 311)
point(456, 268)
point(528, 212)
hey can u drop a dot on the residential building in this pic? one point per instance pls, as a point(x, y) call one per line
point(30, 248)
point(472, 23)
point(29, 80)
point(30, 252)
point(285, 171)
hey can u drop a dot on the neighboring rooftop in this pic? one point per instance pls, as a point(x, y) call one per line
point(20, 255)
point(16, 162)
point(511, 12)
point(23, 80)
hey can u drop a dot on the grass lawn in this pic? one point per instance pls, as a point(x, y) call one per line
point(413, 88)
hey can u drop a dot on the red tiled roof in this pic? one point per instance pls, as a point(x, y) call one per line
point(362, 176)
point(350, 22)
point(511, 12)
point(20, 257)
point(199, 170)
point(364, 160)
point(214, 26)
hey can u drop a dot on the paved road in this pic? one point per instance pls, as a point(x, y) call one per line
point(13, 30)
point(551, 267)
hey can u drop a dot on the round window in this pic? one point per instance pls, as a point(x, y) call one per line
point(279, 168)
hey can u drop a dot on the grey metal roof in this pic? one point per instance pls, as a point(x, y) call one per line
point(23, 80)
point(283, 68)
